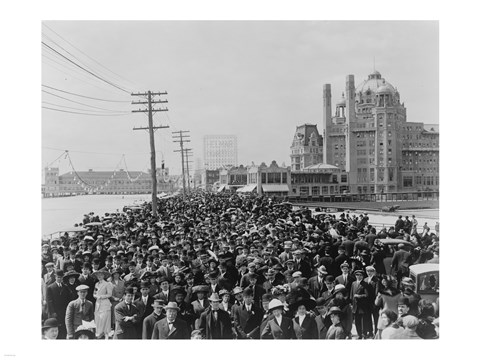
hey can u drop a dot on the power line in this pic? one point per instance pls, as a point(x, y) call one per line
point(80, 113)
point(69, 107)
point(68, 42)
point(92, 152)
point(77, 102)
point(88, 71)
point(87, 97)
point(75, 70)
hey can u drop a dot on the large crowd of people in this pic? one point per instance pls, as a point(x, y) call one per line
point(229, 266)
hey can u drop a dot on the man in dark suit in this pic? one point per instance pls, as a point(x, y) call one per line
point(361, 307)
point(144, 306)
point(166, 294)
point(126, 317)
point(258, 291)
point(57, 302)
point(78, 310)
point(339, 260)
point(300, 264)
point(327, 261)
point(171, 327)
point(345, 278)
point(215, 323)
point(401, 261)
point(150, 321)
point(316, 284)
point(248, 317)
point(374, 282)
point(86, 278)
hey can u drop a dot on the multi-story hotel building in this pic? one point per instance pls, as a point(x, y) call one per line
point(368, 136)
point(219, 151)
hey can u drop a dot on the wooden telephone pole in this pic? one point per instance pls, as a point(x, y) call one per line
point(150, 110)
point(183, 139)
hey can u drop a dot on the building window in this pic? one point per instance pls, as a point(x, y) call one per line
point(264, 178)
point(315, 190)
point(407, 181)
point(303, 190)
point(343, 178)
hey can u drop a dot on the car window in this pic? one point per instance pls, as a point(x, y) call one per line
point(428, 282)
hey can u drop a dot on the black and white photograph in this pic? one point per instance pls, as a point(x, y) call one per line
point(249, 190)
point(223, 179)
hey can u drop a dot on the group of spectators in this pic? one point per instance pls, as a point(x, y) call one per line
point(228, 266)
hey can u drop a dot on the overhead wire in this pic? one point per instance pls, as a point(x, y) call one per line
point(75, 70)
point(88, 71)
point(68, 42)
point(74, 108)
point(91, 106)
point(81, 113)
point(87, 97)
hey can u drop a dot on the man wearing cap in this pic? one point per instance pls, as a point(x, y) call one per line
point(57, 302)
point(126, 317)
point(345, 278)
point(361, 306)
point(171, 327)
point(244, 281)
point(150, 321)
point(50, 329)
point(78, 310)
point(49, 277)
point(248, 317)
point(215, 323)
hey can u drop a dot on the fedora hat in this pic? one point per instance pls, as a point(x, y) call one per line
point(322, 270)
point(172, 305)
point(214, 297)
point(237, 290)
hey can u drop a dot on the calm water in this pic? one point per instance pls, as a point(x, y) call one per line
point(58, 213)
point(64, 212)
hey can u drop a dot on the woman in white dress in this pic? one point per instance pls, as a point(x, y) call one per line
point(103, 315)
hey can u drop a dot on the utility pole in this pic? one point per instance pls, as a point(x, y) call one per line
point(188, 161)
point(183, 139)
point(150, 101)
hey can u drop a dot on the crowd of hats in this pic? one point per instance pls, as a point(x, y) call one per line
point(202, 234)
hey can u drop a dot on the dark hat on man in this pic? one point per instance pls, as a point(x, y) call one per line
point(213, 274)
point(144, 285)
point(344, 264)
point(159, 302)
point(359, 272)
point(59, 273)
point(129, 289)
point(403, 300)
point(248, 292)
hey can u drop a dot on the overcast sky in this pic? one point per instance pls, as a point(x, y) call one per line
point(257, 80)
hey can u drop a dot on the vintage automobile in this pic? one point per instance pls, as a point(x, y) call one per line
point(426, 279)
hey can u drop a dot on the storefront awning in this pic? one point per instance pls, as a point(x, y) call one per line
point(275, 188)
point(247, 188)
